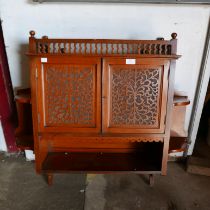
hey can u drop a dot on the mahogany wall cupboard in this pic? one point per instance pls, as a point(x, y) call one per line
point(101, 105)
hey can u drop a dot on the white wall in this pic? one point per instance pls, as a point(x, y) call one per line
point(123, 21)
point(3, 146)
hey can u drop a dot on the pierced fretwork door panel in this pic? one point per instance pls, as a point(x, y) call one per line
point(70, 95)
point(134, 95)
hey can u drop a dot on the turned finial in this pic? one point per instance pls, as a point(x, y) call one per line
point(45, 37)
point(174, 35)
point(32, 33)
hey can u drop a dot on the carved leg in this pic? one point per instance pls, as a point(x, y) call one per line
point(165, 156)
point(151, 180)
point(49, 179)
point(41, 155)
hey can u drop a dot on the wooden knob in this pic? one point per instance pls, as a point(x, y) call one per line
point(174, 35)
point(32, 33)
point(45, 37)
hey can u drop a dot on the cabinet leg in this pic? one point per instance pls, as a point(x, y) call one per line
point(49, 179)
point(151, 180)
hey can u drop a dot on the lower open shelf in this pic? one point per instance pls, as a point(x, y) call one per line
point(139, 162)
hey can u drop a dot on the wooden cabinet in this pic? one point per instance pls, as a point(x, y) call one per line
point(101, 105)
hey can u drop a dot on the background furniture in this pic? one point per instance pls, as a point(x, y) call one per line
point(8, 115)
point(101, 105)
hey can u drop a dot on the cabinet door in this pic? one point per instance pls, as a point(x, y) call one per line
point(134, 95)
point(69, 95)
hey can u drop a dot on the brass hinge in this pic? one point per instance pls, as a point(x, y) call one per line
point(38, 118)
point(36, 73)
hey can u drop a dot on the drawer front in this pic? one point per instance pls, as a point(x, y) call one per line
point(70, 95)
point(134, 95)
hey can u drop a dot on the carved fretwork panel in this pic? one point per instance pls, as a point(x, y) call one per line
point(135, 94)
point(134, 97)
point(70, 97)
